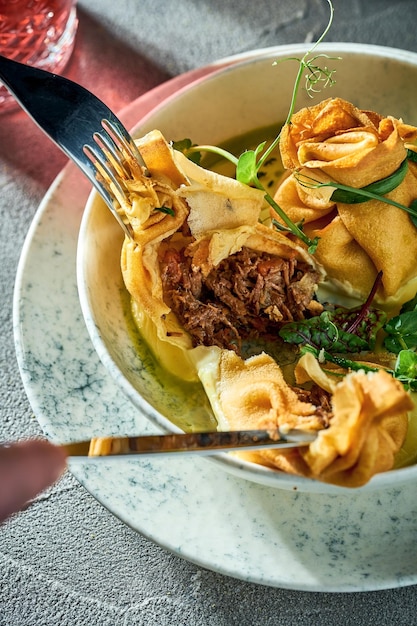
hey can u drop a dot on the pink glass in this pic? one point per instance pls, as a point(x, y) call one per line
point(36, 32)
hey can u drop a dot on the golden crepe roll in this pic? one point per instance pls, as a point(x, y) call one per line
point(336, 141)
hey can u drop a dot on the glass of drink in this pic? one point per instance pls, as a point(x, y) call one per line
point(36, 32)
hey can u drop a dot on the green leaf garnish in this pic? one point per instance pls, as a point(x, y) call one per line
point(363, 324)
point(402, 329)
point(348, 364)
point(412, 156)
point(406, 369)
point(350, 194)
point(291, 227)
point(380, 187)
point(411, 305)
point(321, 333)
point(401, 332)
point(413, 214)
point(247, 169)
point(330, 331)
point(165, 209)
point(190, 150)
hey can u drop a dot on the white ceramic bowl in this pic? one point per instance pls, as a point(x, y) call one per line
point(242, 94)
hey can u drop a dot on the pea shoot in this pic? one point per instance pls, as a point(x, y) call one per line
point(249, 164)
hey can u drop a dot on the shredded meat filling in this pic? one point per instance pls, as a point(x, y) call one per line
point(249, 294)
point(320, 398)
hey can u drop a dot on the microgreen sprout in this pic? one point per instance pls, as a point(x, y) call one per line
point(249, 164)
point(315, 75)
point(322, 77)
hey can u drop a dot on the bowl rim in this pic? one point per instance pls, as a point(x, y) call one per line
point(241, 468)
point(242, 59)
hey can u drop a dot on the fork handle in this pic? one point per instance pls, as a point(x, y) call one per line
point(30, 87)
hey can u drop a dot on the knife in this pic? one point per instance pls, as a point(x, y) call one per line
point(197, 443)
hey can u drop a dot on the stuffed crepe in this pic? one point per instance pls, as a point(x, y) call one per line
point(204, 271)
point(336, 141)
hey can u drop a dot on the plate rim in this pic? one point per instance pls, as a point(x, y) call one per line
point(43, 208)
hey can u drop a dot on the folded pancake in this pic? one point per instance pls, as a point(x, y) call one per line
point(201, 270)
point(361, 419)
point(335, 141)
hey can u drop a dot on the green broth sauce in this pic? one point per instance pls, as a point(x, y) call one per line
point(183, 403)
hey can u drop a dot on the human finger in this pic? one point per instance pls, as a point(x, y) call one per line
point(26, 469)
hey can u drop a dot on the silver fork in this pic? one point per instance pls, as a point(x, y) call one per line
point(72, 116)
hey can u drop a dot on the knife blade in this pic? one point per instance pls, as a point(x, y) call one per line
point(189, 443)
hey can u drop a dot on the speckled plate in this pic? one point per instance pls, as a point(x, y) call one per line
point(355, 541)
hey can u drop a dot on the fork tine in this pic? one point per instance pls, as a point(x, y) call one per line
point(110, 185)
point(116, 160)
point(111, 153)
point(125, 143)
point(102, 167)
